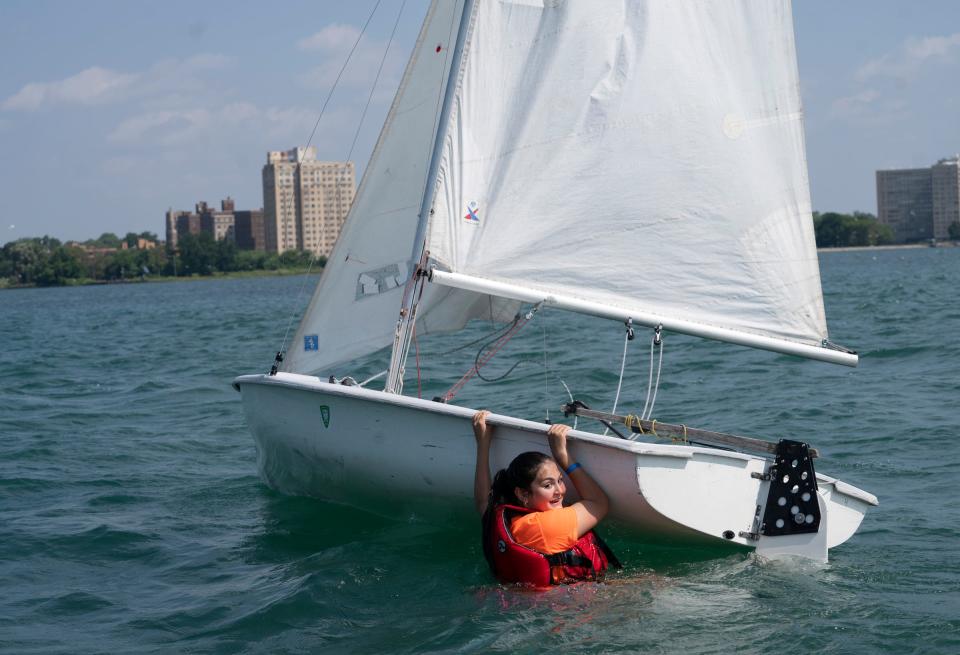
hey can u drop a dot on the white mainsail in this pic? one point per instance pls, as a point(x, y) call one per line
point(645, 158)
point(354, 309)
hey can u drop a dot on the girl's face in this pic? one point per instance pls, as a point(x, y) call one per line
point(546, 491)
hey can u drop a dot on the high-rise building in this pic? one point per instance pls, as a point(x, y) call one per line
point(905, 203)
point(920, 203)
point(305, 201)
point(946, 195)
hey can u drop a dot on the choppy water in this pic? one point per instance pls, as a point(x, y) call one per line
point(132, 518)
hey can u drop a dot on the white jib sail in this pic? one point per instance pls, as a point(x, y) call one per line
point(354, 309)
point(645, 156)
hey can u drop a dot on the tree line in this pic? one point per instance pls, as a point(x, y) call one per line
point(835, 230)
point(46, 261)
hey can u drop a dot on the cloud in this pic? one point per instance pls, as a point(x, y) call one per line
point(333, 43)
point(854, 105)
point(97, 86)
point(89, 87)
point(335, 37)
point(190, 126)
point(911, 56)
point(163, 126)
point(207, 61)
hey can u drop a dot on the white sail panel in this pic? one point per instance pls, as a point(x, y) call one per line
point(354, 309)
point(646, 155)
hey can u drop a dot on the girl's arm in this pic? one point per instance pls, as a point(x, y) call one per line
point(481, 477)
point(593, 504)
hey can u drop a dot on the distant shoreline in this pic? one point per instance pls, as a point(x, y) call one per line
point(156, 279)
point(899, 246)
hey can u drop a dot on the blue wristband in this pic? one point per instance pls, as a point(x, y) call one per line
point(573, 467)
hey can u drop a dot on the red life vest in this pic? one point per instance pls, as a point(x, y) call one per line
point(512, 562)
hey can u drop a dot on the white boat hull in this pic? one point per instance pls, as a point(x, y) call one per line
point(389, 453)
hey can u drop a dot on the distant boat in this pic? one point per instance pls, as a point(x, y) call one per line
point(639, 161)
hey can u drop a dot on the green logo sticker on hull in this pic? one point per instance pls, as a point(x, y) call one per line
point(325, 415)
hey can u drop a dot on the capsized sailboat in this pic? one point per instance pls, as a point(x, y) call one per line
point(641, 161)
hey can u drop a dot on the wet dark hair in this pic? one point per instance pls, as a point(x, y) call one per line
point(521, 473)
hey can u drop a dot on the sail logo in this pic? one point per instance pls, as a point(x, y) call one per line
point(473, 213)
point(311, 342)
point(325, 415)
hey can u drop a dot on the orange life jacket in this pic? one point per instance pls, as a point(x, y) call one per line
point(512, 562)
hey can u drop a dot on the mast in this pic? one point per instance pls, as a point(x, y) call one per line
point(405, 322)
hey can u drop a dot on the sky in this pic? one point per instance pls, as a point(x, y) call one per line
point(113, 111)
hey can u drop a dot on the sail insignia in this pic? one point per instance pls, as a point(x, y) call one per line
point(381, 280)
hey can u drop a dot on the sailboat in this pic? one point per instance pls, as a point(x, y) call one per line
point(639, 161)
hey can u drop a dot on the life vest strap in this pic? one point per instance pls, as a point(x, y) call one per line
point(569, 558)
point(611, 558)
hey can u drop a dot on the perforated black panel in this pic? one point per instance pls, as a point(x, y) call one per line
point(792, 506)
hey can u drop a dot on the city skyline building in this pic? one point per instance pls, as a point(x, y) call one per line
point(945, 178)
point(218, 223)
point(243, 227)
point(305, 201)
point(920, 203)
point(172, 220)
point(248, 226)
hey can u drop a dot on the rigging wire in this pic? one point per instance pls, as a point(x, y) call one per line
point(313, 132)
point(656, 384)
point(656, 341)
point(547, 372)
point(627, 338)
point(546, 386)
point(363, 114)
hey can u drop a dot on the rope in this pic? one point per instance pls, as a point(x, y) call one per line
point(416, 353)
point(570, 395)
point(632, 421)
point(485, 337)
point(372, 378)
point(481, 360)
point(296, 303)
point(418, 283)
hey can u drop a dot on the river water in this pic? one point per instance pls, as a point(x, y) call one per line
point(132, 518)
